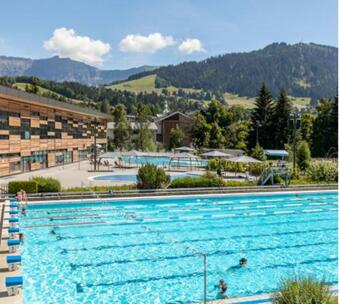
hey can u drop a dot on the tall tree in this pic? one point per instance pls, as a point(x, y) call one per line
point(176, 137)
point(216, 138)
point(333, 125)
point(321, 128)
point(105, 107)
point(200, 131)
point(282, 113)
point(122, 129)
point(145, 138)
point(306, 127)
point(262, 119)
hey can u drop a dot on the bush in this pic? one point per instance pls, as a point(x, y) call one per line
point(225, 165)
point(303, 291)
point(258, 152)
point(151, 177)
point(47, 184)
point(206, 180)
point(303, 155)
point(28, 186)
point(323, 171)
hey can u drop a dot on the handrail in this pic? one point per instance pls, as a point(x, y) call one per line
point(2, 220)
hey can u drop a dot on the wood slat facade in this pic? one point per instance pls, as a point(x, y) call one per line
point(36, 135)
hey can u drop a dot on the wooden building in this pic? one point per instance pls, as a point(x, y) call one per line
point(168, 122)
point(38, 132)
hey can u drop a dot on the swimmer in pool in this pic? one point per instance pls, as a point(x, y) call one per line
point(243, 262)
point(222, 286)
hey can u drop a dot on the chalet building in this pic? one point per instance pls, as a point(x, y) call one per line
point(166, 123)
point(38, 132)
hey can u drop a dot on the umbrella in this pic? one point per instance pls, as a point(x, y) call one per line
point(215, 153)
point(244, 159)
point(188, 149)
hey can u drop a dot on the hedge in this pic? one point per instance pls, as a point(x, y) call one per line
point(206, 180)
point(28, 186)
point(47, 184)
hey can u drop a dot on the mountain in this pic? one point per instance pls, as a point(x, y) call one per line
point(64, 69)
point(304, 70)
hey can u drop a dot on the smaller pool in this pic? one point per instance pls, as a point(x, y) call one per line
point(133, 178)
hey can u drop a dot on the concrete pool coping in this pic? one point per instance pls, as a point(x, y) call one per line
point(165, 197)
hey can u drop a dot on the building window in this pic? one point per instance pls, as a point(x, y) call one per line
point(25, 128)
point(4, 137)
point(35, 114)
point(4, 124)
point(43, 132)
point(50, 126)
point(14, 166)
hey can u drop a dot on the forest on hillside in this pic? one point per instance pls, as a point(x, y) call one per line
point(304, 70)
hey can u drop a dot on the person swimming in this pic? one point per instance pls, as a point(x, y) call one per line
point(23, 211)
point(243, 262)
point(222, 286)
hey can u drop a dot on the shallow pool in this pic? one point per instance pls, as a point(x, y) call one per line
point(164, 161)
point(147, 250)
point(133, 178)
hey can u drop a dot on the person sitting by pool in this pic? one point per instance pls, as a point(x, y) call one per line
point(21, 237)
point(222, 286)
point(19, 196)
point(243, 262)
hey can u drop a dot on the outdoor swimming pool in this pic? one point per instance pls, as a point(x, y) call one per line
point(163, 161)
point(146, 250)
point(133, 178)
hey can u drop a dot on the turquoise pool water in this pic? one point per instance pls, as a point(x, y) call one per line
point(146, 250)
point(133, 178)
point(163, 161)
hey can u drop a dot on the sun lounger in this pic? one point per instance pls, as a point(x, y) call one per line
point(13, 284)
point(13, 262)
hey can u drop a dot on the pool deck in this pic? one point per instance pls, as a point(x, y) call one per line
point(261, 298)
point(4, 271)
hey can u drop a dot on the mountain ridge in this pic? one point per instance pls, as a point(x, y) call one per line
point(64, 69)
point(302, 69)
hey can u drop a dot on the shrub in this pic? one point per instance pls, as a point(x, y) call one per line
point(47, 184)
point(206, 180)
point(303, 155)
point(258, 152)
point(151, 177)
point(303, 291)
point(28, 186)
point(323, 171)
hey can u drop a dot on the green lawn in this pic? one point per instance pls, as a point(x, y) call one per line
point(22, 86)
point(144, 84)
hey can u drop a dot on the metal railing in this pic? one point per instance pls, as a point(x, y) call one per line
point(2, 220)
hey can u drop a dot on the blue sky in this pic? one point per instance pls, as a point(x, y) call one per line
point(121, 34)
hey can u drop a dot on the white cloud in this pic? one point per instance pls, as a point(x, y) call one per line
point(65, 43)
point(145, 44)
point(190, 45)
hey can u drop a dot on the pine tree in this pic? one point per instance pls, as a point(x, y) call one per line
point(282, 112)
point(262, 120)
point(105, 107)
point(122, 129)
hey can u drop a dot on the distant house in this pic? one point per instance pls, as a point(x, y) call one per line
point(170, 121)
